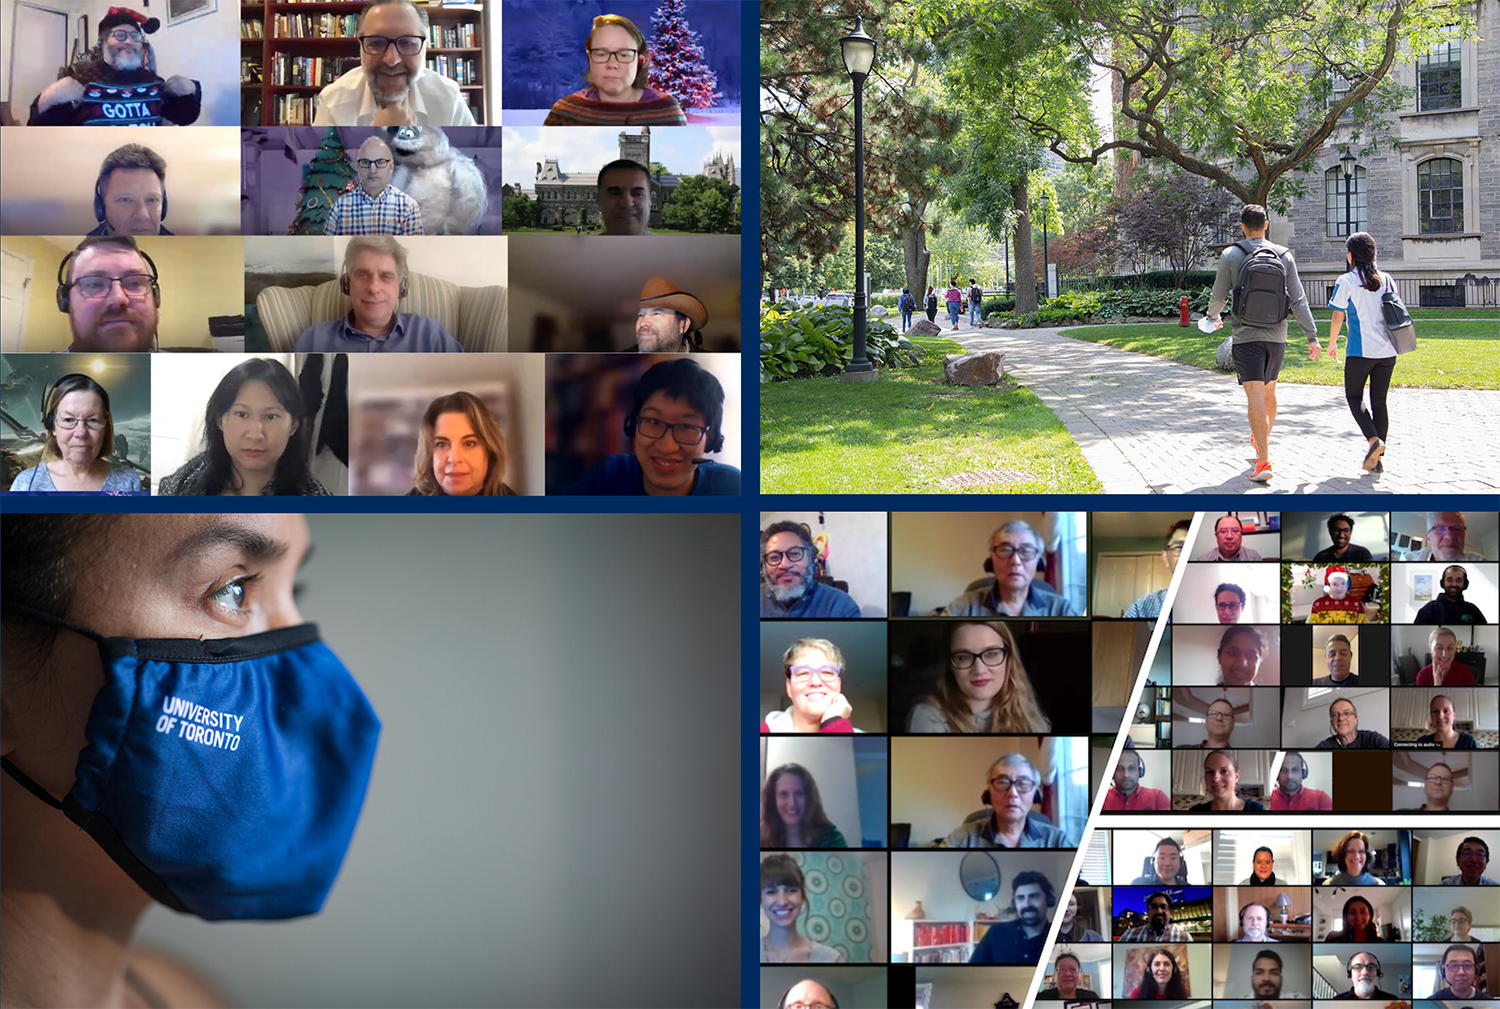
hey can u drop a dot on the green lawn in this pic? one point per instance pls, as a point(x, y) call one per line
point(907, 432)
point(1433, 313)
point(1449, 355)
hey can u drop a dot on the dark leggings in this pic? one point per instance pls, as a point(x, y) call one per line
point(1378, 371)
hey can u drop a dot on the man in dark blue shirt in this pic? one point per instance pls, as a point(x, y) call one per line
point(1019, 941)
point(1340, 528)
point(788, 583)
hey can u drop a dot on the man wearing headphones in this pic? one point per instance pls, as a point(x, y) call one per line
point(808, 994)
point(1017, 553)
point(130, 197)
point(788, 577)
point(1254, 918)
point(1013, 785)
point(1127, 794)
point(1364, 970)
point(1065, 972)
point(108, 288)
point(1019, 941)
point(677, 416)
point(669, 321)
point(375, 279)
point(1451, 607)
point(1166, 865)
point(1264, 871)
point(1292, 794)
point(1460, 969)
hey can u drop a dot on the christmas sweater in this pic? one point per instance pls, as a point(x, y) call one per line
point(1337, 611)
point(120, 98)
point(583, 108)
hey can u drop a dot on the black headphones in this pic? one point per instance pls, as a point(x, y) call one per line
point(1140, 766)
point(99, 198)
point(714, 437)
point(51, 397)
point(64, 289)
point(1349, 971)
point(781, 1004)
point(344, 282)
point(1458, 567)
point(1253, 903)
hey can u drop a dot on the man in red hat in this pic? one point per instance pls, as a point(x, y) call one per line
point(1336, 606)
point(119, 86)
point(670, 321)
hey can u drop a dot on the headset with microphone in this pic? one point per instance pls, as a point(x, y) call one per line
point(1349, 967)
point(64, 288)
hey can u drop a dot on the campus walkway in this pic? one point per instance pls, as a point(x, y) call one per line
point(1151, 426)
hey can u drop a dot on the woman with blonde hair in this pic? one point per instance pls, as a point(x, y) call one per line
point(80, 441)
point(460, 452)
point(619, 92)
point(791, 812)
point(983, 686)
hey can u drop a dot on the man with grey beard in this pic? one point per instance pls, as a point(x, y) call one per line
point(120, 86)
point(788, 587)
point(392, 85)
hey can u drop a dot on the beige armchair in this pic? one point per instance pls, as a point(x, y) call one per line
point(474, 315)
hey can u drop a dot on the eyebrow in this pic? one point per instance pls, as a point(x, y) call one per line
point(254, 545)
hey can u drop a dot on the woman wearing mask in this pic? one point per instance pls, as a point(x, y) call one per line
point(1369, 352)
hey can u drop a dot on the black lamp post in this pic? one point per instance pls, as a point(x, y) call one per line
point(859, 56)
point(1007, 263)
point(1347, 161)
point(1045, 201)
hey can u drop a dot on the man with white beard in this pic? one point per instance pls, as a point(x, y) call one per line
point(392, 85)
point(120, 87)
point(788, 587)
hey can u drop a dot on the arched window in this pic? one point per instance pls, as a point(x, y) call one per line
point(1440, 196)
point(1345, 217)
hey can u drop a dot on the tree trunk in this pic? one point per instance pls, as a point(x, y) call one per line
point(915, 256)
point(1025, 269)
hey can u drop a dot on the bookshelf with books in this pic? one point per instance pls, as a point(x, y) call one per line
point(291, 49)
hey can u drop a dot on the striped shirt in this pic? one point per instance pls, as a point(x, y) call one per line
point(583, 108)
point(391, 213)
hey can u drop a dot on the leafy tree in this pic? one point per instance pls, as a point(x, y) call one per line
point(516, 211)
point(658, 169)
point(1175, 217)
point(700, 204)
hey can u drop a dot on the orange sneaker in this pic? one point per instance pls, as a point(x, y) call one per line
point(1262, 472)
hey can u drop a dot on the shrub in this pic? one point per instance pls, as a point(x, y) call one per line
point(994, 306)
point(1079, 303)
point(1152, 279)
point(1143, 301)
point(808, 340)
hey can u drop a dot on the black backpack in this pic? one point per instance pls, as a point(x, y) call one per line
point(1260, 296)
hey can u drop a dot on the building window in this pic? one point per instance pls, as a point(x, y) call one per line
point(1440, 196)
point(1339, 215)
point(1440, 78)
point(1338, 92)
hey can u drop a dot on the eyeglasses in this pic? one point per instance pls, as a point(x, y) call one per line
point(1230, 606)
point(1175, 548)
point(125, 35)
point(69, 423)
point(1440, 779)
point(804, 674)
point(618, 55)
point(792, 555)
point(406, 45)
point(682, 434)
point(136, 285)
point(990, 657)
point(1342, 530)
point(1158, 907)
point(1004, 784)
point(808, 1005)
point(380, 163)
point(1363, 968)
point(1005, 552)
point(1220, 716)
point(1447, 530)
point(1463, 967)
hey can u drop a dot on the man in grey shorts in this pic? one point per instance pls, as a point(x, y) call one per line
point(1260, 324)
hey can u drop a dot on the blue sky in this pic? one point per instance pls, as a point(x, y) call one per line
point(584, 149)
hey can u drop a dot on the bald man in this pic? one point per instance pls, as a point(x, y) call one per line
point(376, 207)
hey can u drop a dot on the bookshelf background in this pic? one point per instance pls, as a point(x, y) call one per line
point(324, 49)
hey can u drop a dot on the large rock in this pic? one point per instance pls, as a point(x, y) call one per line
point(1224, 357)
point(981, 367)
point(924, 328)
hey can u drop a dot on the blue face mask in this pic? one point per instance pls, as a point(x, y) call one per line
point(224, 776)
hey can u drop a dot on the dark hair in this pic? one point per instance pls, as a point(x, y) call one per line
point(1339, 850)
point(621, 165)
point(1265, 954)
point(1457, 946)
point(687, 381)
point(1030, 877)
point(1174, 987)
point(291, 468)
point(1361, 246)
point(1260, 639)
point(1368, 933)
point(52, 397)
point(781, 870)
point(777, 528)
point(1067, 956)
point(1263, 848)
point(93, 241)
point(1183, 524)
point(1337, 637)
point(1230, 587)
point(131, 156)
point(1473, 840)
point(1221, 518)
point(1164, 894)
point(38, 570)
point(1173, 842)
point(1253, 216)
point(1340, 517)
point(772, 829)
point(481, 422)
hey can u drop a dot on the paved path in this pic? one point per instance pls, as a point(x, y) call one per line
point(1151, 426)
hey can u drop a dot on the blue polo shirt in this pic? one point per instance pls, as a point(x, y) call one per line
point(622, 474)
point(412, 334)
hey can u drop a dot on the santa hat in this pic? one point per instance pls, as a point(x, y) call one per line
point(1328, 576)
point(125, 16)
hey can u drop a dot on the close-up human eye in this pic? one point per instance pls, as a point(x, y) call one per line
point(235, 595)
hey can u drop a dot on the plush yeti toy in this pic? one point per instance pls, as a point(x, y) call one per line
point(447, 185)
point(1336, 607)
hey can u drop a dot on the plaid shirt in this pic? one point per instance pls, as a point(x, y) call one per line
point(1145, 933)
point(391, 213)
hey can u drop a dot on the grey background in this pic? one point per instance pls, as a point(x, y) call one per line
point(553, 815)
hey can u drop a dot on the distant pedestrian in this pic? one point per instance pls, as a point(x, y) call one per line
point(931, 304)
point(907, 304)
point(1262, 278)
point(955, 300)
point(1369, 352)
point(976, 298)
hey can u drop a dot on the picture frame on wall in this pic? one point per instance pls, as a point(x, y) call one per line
point(179, 11)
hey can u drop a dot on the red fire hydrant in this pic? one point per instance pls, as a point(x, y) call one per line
point(1182, 311)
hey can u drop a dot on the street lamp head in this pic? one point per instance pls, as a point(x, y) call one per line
point(859, 50)
point(1044, 198)
point(1347, 161)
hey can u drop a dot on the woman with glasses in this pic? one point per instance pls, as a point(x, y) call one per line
point(983, 686)
point(80, 441)
point(1352, 855)
point(815, 685)
point(1014, 783)
point(1221, 780)
point(791, 812)
point(617, 92)
point(1440, 717)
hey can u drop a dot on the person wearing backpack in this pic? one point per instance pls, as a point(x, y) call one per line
point(931, 304)
point(976, 298)
point(907, 304)
point(1370, 351)
point(1262, 277)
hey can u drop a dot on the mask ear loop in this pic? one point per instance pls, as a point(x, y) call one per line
point(53, 621)
point(28, 784)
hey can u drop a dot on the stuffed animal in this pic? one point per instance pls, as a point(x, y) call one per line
point(447, 185)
